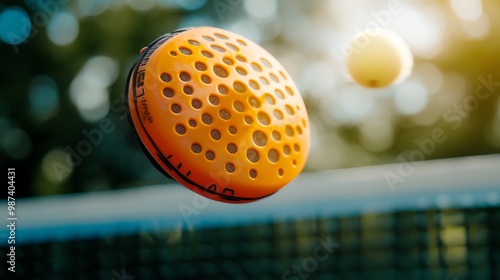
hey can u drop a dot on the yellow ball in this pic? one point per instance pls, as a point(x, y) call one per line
point(378, 59)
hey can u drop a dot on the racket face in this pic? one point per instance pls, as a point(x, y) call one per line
point(219, 114)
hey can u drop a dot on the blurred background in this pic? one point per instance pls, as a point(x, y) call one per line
point(65, 65)
point(67, 69)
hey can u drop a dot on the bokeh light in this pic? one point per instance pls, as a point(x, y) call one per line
point(91, 7)
point(246, 28)
point(478, 28)
point(467, 10)
point(319, 87)
point(430, 75)
point(43, 95)
point(410, 98)
point(191, 5)
point(424, 30)
point(15, 25)
point(63, 29)
point(262, 9)
point(350, 106)
point(89, 91)
point(54, 166)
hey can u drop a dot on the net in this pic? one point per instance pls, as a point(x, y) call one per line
point(440, 222)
